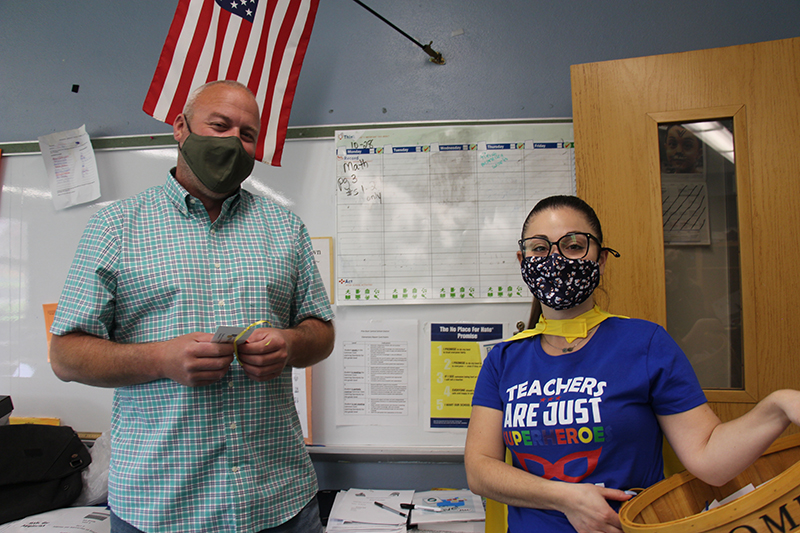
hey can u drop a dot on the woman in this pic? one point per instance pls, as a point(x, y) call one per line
point(583, 400)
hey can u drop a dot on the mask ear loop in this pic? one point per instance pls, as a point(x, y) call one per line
point(245, 330)
point(186, 121)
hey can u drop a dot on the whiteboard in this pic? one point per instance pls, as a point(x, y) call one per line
point(38, 244)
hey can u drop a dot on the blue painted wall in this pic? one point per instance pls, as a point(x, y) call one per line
point(505, 59)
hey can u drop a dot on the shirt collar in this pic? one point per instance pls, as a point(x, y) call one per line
point(181, 198)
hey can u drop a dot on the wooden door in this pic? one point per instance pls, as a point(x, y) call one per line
point(617, 106)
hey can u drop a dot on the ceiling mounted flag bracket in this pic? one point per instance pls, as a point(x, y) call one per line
point(436, 57)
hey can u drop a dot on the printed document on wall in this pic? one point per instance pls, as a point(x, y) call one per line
point(71, 167)
point(378, 370)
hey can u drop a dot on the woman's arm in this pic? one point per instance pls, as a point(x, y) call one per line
point(488, 475)
point(716, 452)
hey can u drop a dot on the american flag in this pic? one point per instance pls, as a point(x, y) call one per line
point(260, 43)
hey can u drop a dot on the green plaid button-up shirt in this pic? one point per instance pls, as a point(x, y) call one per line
point(224, 457)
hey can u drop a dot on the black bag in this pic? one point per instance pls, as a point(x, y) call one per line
point(40, 469)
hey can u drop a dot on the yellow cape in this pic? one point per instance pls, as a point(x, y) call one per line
point(571, 328)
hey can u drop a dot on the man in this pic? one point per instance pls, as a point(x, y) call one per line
point(201, 440)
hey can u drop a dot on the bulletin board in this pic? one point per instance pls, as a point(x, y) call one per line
point(38, 244)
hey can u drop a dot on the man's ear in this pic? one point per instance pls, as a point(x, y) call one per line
point(179, 128)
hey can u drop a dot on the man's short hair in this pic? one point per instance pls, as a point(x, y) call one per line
point(188, 108)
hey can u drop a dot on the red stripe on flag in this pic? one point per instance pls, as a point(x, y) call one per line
point(222, 27)
point(261, 51)
point(239, 49)
point(280, 48)
point(291, 85)
point(257, 77)
point(165, 60)
point(190, 64)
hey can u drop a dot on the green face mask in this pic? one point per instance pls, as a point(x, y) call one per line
point(220, 163)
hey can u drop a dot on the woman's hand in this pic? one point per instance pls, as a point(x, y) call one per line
point(588, 511)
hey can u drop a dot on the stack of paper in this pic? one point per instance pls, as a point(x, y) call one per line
point(356, 511)
point(747, 489)
point(456, 510)
point(72, 519)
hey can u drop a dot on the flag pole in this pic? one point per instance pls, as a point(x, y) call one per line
point(436, 57)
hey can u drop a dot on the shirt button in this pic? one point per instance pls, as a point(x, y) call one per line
point(233, 425)
point(222, 303)
point(216, 265)
point(235, 469)
point(230, 384)
point(213, 231)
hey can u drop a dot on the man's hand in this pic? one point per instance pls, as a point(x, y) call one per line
point(193, 360)
point(265, 354)
point(268, 350)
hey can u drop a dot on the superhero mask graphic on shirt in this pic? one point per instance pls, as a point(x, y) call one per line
point(558, 282)
point(584, 461)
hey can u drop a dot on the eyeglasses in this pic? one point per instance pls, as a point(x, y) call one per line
point(573, 245)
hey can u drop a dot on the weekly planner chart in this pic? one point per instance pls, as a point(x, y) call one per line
point(433, 214)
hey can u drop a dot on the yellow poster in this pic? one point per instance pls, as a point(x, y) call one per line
point(457, 351)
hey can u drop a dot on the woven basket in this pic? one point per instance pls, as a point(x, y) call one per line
point(674, 505)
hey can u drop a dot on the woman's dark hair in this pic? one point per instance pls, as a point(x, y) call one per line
point(558, 202)
point(573, 202)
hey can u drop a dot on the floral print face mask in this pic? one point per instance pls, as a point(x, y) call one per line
point(560, 283)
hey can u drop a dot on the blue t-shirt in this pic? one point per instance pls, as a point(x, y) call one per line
point(588, 416)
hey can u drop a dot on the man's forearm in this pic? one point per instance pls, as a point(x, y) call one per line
point(99, 362)
point(311, 342)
